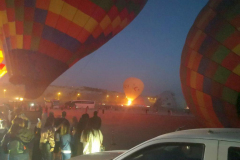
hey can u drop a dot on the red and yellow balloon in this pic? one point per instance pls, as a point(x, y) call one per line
point(41, 39)
point(133, 87)
point(3, 69)
point(210, 65)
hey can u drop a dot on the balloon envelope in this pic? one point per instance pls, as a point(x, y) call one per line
point(133, 87)
point(3, 69)
point(41, 39)
point(210, 65)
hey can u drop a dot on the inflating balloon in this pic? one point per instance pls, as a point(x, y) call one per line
point(210, 65)
point(41, 39)
point(133, 87)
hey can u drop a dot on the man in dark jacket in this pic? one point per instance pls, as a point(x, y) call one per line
point(96, 121)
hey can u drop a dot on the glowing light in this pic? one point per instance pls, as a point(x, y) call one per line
point(148, 106)
point(4, 92)
point(21, 99)
point(107, 96)
point(148, 98)
point(17, 98)
point(129, 101)
point(78, 94)
point(117, 96)
point(1, 56)
point(2, 73)
point(59, 93)
point(32, 104)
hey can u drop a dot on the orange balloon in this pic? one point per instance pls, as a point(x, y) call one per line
point(133, 87)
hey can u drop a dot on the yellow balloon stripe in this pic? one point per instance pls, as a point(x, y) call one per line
point(12, 28)
point(2, 73)
point(80, 15)
point(116, 22)
point(91, 25)
point(19, 41)
point(237, 49)
point(237, 70)
point(1, 56)
point(68, 11)
point(56, 6)
point(105, 22)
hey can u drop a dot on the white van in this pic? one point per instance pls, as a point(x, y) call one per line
point(83, 103)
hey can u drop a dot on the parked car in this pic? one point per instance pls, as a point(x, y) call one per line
point(195, 144)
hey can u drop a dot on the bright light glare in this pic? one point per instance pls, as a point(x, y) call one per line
point(32, 104)
point(129, 102)
point(148, 106)
point(21, 99)
point(4, 90)
point(17, 98)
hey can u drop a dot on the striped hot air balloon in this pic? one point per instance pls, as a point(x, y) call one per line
point(41, 39)
point(3, 69)
point(210, 65)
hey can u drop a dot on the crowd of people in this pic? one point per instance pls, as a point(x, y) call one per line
point(52, 138)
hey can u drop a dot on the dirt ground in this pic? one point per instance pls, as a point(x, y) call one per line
point(125, 129)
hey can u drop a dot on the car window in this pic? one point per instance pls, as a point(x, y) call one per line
point(234, 153)
point(170, 151)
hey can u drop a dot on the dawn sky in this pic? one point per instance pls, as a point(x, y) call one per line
point(149, 49)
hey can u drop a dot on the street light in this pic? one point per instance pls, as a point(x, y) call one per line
point(59, 93)
point(4, 92)
point(21, 99)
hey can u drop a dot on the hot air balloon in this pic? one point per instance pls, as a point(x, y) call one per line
point(210, 65)
point(133, 87)
point(41, 39)
point(3, 69)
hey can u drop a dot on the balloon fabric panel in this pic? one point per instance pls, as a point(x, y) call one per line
point(209, 65)
point(59, 32)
